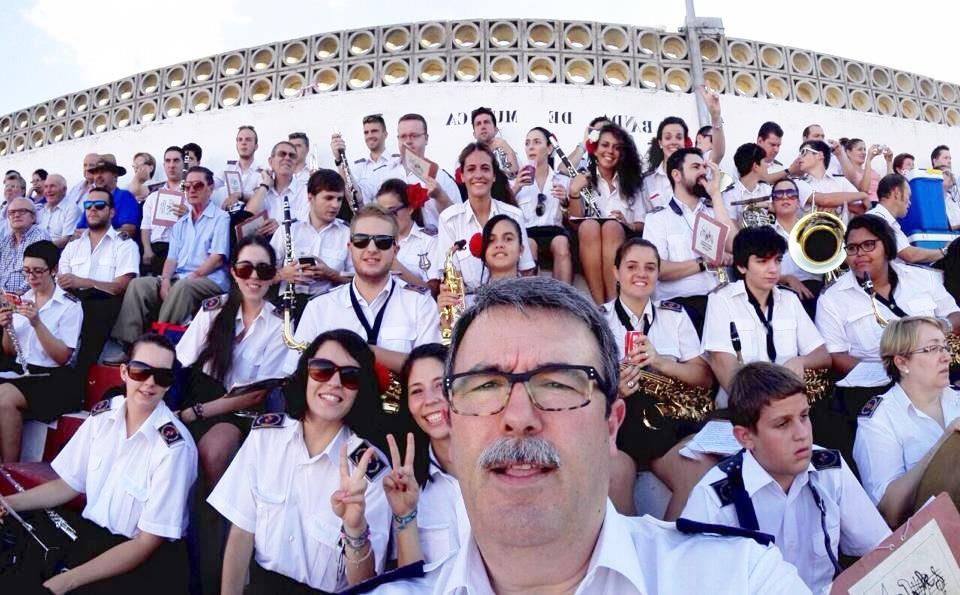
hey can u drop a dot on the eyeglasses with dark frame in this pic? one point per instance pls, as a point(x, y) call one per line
point(553, 387)
point(785, 194)
point(34, 272)
point(97, 205)
point(865, 246)
point(189, 186)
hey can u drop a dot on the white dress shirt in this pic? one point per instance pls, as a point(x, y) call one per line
point(299, 204)
point(395, 169)
point(113, 256)
point(671, 331)
point(826, 185)
point(370, 174)
point(258, 354)
point(794, 519)
point(249, 180)
point(63, 317)
point(59, 221)
point(418, 244)
point(327, 244)
point(884, 213)
point(458, 222)
point(527, 201)
point(275, 490)
point(951, 198)
point(77, 193)
point(611, 199)
point(637, 556)
point(893, 435)
point(670, 229)
point(136, 483)
point(740, 192)
point(411, 317)
point(656, 187)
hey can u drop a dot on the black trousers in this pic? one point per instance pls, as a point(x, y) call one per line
point(100, 310)
point(155, 268)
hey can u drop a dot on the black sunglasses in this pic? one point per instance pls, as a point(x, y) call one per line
point(94, 204)
point(322, 370)
point(244, 270)
point(362, 240)
point(139, 372)
point(541, 207)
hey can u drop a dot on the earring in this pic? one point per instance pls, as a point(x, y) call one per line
point(906, 371)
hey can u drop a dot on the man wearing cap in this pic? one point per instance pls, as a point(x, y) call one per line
point(127, 216)
point(21, 217)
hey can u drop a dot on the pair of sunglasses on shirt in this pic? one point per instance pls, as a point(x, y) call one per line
point(322, 370)
point(139, 372)
point(361, 240)
point(245, 270)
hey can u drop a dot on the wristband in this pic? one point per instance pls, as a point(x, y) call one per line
point(355, 543)
point(701, 264)
point(264, 186)
point(403, 521)
point(198, 410)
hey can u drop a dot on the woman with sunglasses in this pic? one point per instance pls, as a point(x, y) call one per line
point(405, 202)
point(785, 204)
point(45, 322)
point(540, 192)
point(135, 463)
point(304, 493)
point(901, 431)
point(852, 323)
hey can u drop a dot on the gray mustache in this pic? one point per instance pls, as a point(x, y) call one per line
point(519, 451)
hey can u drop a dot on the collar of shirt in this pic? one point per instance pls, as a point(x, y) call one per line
point(757, 191)
point(636, 320)
point(434, 469)
point(740, 288)
point(756, 477)
point(415, 232)
point(328, 228)
point(265, 311)
point(881, 211)
point(676, 204)
point(59, 295)
point(949, 403)
point(209, 211)
point(331, 451)
point(468, 209)
point(345, 295)
point(610, 189)
point(117, 416)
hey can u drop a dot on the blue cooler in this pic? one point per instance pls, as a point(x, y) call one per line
point(927, 211)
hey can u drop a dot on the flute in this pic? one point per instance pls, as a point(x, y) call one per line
point(58, 521)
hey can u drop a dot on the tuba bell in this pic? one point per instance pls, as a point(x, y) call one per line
point(816, 243)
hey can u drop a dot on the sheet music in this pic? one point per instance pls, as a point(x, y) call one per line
point(865, 374)
point(716, 437)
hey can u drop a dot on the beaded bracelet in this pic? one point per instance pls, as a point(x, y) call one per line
point(403, 521)
point(355, 543)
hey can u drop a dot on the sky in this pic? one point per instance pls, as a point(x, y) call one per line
point(56, 47)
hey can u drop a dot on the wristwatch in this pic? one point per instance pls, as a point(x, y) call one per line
point(702, 264)
point(264, 186)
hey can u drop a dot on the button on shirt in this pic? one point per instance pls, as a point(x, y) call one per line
point(671, 231)
point(794, 519)
point(740, 192)
point(112, 257)
point(158, 233)
point(527, 201)
point(275, 490)
point(328, 244)
point(192, 242)
point(845, 314)
point(884, 213)
point(458, 222)
point(133, 484)
point(894, 439)
point(258, 352)
point(611, 199)
point(62, 315)
point(417, 249)
point(637, 556)
point(11, 257)
point(671, 333)
point(411, 318)
point(58, 221)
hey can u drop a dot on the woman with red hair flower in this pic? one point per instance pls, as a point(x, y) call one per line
point(417, 243)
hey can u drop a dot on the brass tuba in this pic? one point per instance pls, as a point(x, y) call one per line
point(816, 243)
point(453, 281)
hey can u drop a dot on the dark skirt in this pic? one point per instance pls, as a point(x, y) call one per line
point(202, 388)
point(268, 582)
point(646, 434)
point(56, 392)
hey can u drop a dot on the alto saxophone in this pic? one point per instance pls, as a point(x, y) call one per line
point(674, 398)
point(867, 284)
point(588, 196)
point(453, 281)
point(289, 293)
point(352, 190)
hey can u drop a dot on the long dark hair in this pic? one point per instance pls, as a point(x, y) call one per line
point(421, 461)
point(655, 152)
point(487, 231)
point(629, 169)
point(218, 348)
point(501, 185)
point(398, 188)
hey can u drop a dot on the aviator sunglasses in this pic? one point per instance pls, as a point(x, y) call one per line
point(322, 370)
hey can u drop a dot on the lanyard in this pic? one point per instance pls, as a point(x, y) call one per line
point(372, 332)
point(766, 321)
point(823, 525)
point(625, 318)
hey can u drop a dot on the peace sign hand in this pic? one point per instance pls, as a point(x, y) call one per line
point(348, 502)
point(400, 485)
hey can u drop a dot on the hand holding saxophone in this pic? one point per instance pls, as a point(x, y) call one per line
point(447, 298)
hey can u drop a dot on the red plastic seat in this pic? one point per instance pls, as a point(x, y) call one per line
point(30, 475)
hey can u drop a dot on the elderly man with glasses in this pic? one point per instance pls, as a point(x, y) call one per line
point(21, 218)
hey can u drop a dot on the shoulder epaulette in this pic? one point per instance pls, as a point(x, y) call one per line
point(730, 187)
point(376, 463)
point(395, 154)
point(123, 235)
point(430, 230)
point(719, 287)
point(417, 288)
point(268, 420)
point(787, 288)
point(724, 490)
point(694, 528)
point(278, 312)
point(170, 434)
point(70, 296)
point(358, 161)
point(101, 407)
point(410, 571)
point(671, 306)
point(826, 458)
point(214, 303)
point(155, 186)
point(656, 209)
point(870, 407)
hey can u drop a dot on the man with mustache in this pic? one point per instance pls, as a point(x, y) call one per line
point(531, 379)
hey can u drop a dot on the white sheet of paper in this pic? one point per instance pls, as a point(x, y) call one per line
point(922, 564)
point(716, 437)
point(865, 374)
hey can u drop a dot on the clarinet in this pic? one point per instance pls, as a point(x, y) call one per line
point(588, 195)
point(289, 293)
point(58, 521)
point(353, 191)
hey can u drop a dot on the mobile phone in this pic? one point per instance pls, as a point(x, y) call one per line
point(308, 261)
point(11, 298)
point(629, 340)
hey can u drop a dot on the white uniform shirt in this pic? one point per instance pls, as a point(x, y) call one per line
point(740, 192)
point(671, 331)
point(258, 355)
point(637, 556)
point(611, 199)
point(656, 187)
point(77, 193)
point(63, 317)
point(299, 204)
point(160, 233)
point(893, 435)
point(370, 175)
point(788, 266)
point(249, 180)
point(458, 222)
point(395, 169)
point(140, 483)
point(113, 257)
point(418, 244)
point(328, 244)
point(845, 315)
point(59, 221)
point(951, 199)
point(527, 201)
point(825, 185)
point(884, 213)
point(275, 490)
point(670, 229)
point(441, 517)
point(794, 519)
point(411, 318)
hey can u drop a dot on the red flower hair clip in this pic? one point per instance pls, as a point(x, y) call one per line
point(416, 196)
point(383, 375)
point(476, 245)
point(592, 139)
